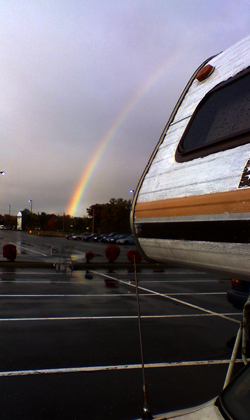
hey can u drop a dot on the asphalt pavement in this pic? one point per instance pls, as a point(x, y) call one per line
point(70, 344)
point(38, 250)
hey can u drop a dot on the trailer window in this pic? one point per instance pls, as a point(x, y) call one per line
point(221, 120)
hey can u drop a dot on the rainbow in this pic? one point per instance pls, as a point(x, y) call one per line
point(90, 168)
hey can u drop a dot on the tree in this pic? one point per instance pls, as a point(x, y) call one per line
point(112, 216)
point(108, 217)
point(27, 222)
point(51, 223)
point(10, 221)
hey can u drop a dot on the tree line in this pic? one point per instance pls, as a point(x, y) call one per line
point(108, 217)
point(111, 217)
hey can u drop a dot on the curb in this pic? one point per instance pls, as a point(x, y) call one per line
point(84, 266)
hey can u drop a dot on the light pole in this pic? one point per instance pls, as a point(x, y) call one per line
point(30, 201)
point(9, 209)
point(132, 192)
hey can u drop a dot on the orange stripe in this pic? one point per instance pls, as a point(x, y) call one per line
point(237, 201)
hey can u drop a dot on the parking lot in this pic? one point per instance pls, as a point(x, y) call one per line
point(70, 343)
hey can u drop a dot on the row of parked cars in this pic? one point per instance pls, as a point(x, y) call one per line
point(111, 238)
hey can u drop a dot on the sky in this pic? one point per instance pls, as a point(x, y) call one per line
point(88, 86)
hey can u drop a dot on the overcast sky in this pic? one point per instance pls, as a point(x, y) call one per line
point(74, 73)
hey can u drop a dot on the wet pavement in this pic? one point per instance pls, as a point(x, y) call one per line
point(70, 348)
point(36, 250)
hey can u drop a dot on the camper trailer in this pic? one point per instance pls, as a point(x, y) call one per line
point(192, 203)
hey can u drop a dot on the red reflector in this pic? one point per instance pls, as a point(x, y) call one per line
point(236, 282)
point(204, 72)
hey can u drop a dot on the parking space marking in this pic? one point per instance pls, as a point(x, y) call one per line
point(115, 367)
point(38, 282)
point(75, 295)
point(29, 273)
point(31, 250)
point(41, 281)
point(30, 281)
point(167, 296)
point(41, 274)
point(165, 274)
point(113, 317)
point(184, 281)
point(117, 295)
point(195, 293)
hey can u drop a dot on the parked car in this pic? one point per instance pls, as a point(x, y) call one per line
point(126, 240)
point(98, 236)
point(113, 239)
point(89, 237)
point(80, 237)
point(70, 235)
point(86, 236)
point(239, 293)
point(106, 237)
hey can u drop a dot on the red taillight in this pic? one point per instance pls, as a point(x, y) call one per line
point(235, 282)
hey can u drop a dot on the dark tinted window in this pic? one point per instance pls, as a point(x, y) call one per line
point(223, 115)
point(235, 399)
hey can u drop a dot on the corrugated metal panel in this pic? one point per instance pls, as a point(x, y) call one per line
point(221, 171)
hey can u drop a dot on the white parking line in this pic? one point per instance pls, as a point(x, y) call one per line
point(38, 282)
point(113, 295)
point(113, 317)
point(114, 367)
point(54, 273)
point(183, 281)
point(74, 295)
point(167, 296)
point(31, 281)
point(33, 273)
point(55, 281)
point(30, 250)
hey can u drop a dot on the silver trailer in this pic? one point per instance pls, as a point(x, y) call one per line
point(192, 203)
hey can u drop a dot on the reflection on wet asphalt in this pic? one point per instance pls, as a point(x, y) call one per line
point(80, 332)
